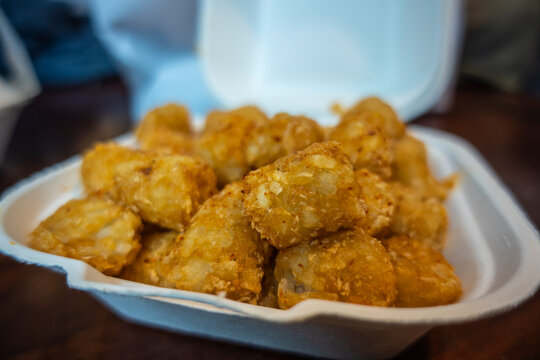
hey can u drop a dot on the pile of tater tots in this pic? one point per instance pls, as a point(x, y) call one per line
point(267, 211)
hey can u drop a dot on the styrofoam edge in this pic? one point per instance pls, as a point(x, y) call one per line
point(523, 284)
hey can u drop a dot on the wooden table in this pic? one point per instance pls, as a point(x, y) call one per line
point(41, 318)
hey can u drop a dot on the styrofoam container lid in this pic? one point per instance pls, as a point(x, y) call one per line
point(301, 56)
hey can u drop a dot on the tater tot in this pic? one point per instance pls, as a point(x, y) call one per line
point(419, 217)
point(220, 253)
point(282, 135)
point(166, 130)
point(167, 190)
point(388, 122)
point(301, 132)
point(148, 264)
point(300, 197)
point(225, 152)
point(171, 116)
point(166, 141)
point(163, 189)
point(99, 164)
point(94, 230)
point(365, 144)
point(224, 142)
point(266, 143)
point(348, 266)
point(410, 168)
point(378, 199)
point(424, 277)
point(219, 120)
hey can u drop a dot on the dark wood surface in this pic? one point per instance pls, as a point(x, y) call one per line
point(40, 318)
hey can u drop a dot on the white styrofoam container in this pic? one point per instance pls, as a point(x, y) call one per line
point(491, 244)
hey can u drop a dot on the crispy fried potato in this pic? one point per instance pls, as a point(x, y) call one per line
point(166, 130)
point(266, 144)
point(303, 196)
point(388, 122)
point(220, 253)
point(225, 152)
point(164, 189)
point(282, 135)
point(167, 190)
point(148, 264)
point(220, 120)
point(99, 165)
point(410, 168)
point(165, 141)
point(419, 217)
point(94, 230)
point(424, 277)
point(301, 132)
point(171, 116)
point(225, 139)
point(379, 202)
point(365, 143)
point(348, 266)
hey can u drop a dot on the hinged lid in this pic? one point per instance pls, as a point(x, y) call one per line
point(301, 56)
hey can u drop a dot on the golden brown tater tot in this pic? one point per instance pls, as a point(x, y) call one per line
point(94, 230)
point(419, 217)
point(410, 168)
point(282, 135)
point(225, 139)
point(388, 122)
point(171, 116)
point(148, 264)
point(424, 277)
point(300, 197)
point(365, 144)
point(220, 253)
point(348, 266)
point(378, 199)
